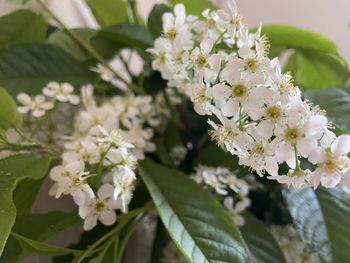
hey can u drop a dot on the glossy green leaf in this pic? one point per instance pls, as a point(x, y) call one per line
point(18, 1)
point(25, 194)
point(322, 219)
point(337, 104)
point(213, 155)
point(127, 35)
point(13, 170)
point(195, 220)
point(64, 41)
point(108, 12)
point(28, 67)
point(155, 23)
point(22, 26)
point(314, 62)
point(9, 116)
point(43, 248)
point(260, 241)
point(195, 7)
point(42, 227)
point(317, 70)
point(293, 37)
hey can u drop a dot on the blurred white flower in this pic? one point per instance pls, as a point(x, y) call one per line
point(37, 105)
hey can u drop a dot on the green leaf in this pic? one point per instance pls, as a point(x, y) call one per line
point(42, 226)
point(195, 7)
point(337, 104)
point(108, 12)
point(260, 241)
point(127, 35)
point(317, 69)
point(25, 194)
point(28, 67)
point(213, 155)
point(314, 62)
point(63, 40)
point(13, 170)
point(43, 248)
point(195, 220)
point(9, 116)
point(19, 1)
point(155, 23)
point(22, 26)
point(322, 219)
point(293, 37)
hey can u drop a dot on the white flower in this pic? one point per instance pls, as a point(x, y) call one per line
point(62, 92)
point(333, 163)
point(105, 73)
point(175, 28)
point(124, 187)
point(235, 210)
point(100, 208)
point(37, 105)
point(69, 179)
point(295, 178)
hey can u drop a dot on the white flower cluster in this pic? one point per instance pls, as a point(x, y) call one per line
point(102, 148)
point(107, 141)
point(38, 105)
point(222, 180)
point(292, 246)
point(255, 110)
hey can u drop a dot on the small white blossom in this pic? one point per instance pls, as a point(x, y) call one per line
point(99, 208)
point(62, 92)
point(37, 105)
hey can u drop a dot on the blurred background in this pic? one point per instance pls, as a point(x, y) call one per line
point(330, 18)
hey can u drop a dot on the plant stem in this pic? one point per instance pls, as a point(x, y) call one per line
point(125, 240)
point(124, 219)
point(131, 11)
point(88, 47)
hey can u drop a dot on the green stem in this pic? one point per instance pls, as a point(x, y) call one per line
point(123, 220)
point(87, 46)
point(129, 231)
point(132, 11)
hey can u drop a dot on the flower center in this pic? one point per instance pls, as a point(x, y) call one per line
point(292, 134)
point(252, 64)
point(171, 34)
point(331, 162)
point(211, 23)
point(239, 90)
point(274, 112)
point(258, 149)
point(99, 206)
point(201, 61)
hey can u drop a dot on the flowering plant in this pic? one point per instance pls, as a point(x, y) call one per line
point(210, 152)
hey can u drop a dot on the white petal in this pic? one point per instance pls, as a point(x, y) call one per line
point(105, 191)
point(90, 222)
point(306, 146)
point(221, 92)
point(265, 128)
point(341, 145)
point(316, 124)
point(79, 197)
point(108, 217)
point(230, 108)
point(24, 98)
point(74, 99)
